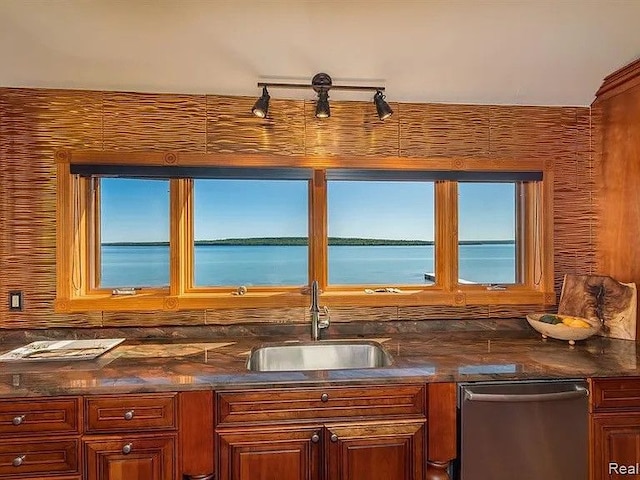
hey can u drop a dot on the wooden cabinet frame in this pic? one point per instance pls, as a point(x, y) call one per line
point(78, 237)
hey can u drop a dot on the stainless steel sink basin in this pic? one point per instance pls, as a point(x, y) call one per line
point(322, 355)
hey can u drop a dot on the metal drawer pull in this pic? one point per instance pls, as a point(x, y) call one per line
point(18, 461)
point(577, 392)
point(324, 397)
point(18, 420)
point(129, 415)
point(127, 448)
point(334, 438)
point(315, 438)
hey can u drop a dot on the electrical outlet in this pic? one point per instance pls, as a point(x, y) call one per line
point(15, 300)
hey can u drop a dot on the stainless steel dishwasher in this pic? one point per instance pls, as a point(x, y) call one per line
point(523, 430)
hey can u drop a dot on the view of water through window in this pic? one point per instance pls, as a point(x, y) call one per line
point(254, 232)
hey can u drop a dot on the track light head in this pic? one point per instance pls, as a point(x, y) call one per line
point(322, 105)
point(261, 107)
point(382, 107)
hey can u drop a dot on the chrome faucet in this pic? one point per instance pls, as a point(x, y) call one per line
point(317, 312)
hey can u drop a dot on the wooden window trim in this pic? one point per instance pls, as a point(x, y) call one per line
point(78, 238)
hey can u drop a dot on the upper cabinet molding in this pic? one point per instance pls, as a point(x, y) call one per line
point(623, 79)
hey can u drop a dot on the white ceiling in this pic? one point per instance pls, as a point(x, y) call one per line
point(532, 52)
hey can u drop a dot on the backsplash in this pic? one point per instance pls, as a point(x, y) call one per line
point(35, 122)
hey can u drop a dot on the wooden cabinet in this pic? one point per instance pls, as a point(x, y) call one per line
point(40, 437)
point(331, 433)
point(376, 451)
point(291, 453)
point(616, 162)
point(115, 447)
point(615, 428)
point(130, 457)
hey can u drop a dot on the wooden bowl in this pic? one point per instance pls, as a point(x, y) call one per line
point(561, 331)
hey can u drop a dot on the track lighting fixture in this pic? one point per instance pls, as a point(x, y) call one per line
point(322, 105)
point(321, 83)
point(261, 107)
point(382, 107)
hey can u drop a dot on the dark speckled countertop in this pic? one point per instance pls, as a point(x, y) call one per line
point(184, 364)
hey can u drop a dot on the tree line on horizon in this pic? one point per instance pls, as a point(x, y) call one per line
point(303, 241)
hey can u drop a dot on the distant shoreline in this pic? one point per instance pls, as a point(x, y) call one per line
point(303, 241)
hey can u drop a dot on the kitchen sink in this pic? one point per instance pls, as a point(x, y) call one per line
point(321, 355)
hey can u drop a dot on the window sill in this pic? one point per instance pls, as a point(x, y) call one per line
point(163, 301)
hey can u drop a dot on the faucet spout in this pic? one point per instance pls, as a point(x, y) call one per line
point(316, 312)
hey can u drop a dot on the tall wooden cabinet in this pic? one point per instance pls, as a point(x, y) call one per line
point(616, 156)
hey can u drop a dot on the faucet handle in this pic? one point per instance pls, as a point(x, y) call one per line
point(325, 318)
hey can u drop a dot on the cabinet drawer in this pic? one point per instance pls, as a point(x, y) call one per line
point(38, 416)
point(38, 457)
point(276, 405)
point(130, 412)
point(615, 393)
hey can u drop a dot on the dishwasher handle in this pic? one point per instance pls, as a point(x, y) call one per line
point(577, 392)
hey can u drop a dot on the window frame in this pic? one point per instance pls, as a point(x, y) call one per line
point(78, 236)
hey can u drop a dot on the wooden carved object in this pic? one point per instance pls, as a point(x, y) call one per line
point(601, 298)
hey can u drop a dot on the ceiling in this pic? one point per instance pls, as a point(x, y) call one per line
point(529, 52)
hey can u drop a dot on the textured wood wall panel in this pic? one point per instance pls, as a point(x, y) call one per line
point(353, 129)
point(255, 315)
point(573, 204)
point(478, 312)
point(359, 314)
point(124, 319)
point(232, 128)
point(35, 122)
point(32, 124)
point(432, 130)
point(529, 132)
point(136, 121)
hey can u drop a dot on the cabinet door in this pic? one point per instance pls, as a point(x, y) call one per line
point(274, 454)
point(616, 444)
point(130, 457)
point(380, 451)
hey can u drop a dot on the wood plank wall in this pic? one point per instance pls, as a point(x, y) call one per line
point(34, 122)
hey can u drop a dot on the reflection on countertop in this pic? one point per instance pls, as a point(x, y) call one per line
point(181, 364)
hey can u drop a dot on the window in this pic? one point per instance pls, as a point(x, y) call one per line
point(487, 237)
point(134, 233)
point(380, 232)
point(250, 232)
point(394, 235)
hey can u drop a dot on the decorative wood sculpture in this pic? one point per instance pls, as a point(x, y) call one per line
point(602, 298)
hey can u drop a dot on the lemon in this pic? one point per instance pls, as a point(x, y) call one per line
point(575, 322)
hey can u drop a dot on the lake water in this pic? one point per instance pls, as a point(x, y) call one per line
point(287, 265)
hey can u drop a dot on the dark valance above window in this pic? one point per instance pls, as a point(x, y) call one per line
point(424, 175)
point(165, 172)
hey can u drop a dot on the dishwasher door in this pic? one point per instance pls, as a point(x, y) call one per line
point(524, 430)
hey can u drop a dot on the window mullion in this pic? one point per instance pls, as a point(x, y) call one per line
point(446, 235)
point(181, 236)
point(95, 243)
point(318, 240)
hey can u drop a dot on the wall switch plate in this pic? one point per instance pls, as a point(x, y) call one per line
point(15, 300)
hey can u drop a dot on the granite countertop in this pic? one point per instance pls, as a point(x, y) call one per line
point(185, 364)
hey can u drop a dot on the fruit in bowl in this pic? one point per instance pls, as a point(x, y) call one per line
point(563, 327)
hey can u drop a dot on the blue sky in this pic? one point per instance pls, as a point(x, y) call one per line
point(137, 210)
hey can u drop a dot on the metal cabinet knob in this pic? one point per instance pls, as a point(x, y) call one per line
point(127, 448)
point(334, 438)
point(129, 415)
point(315, 438)
point(18, 461)
point(18, 420)
point(324, 397)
